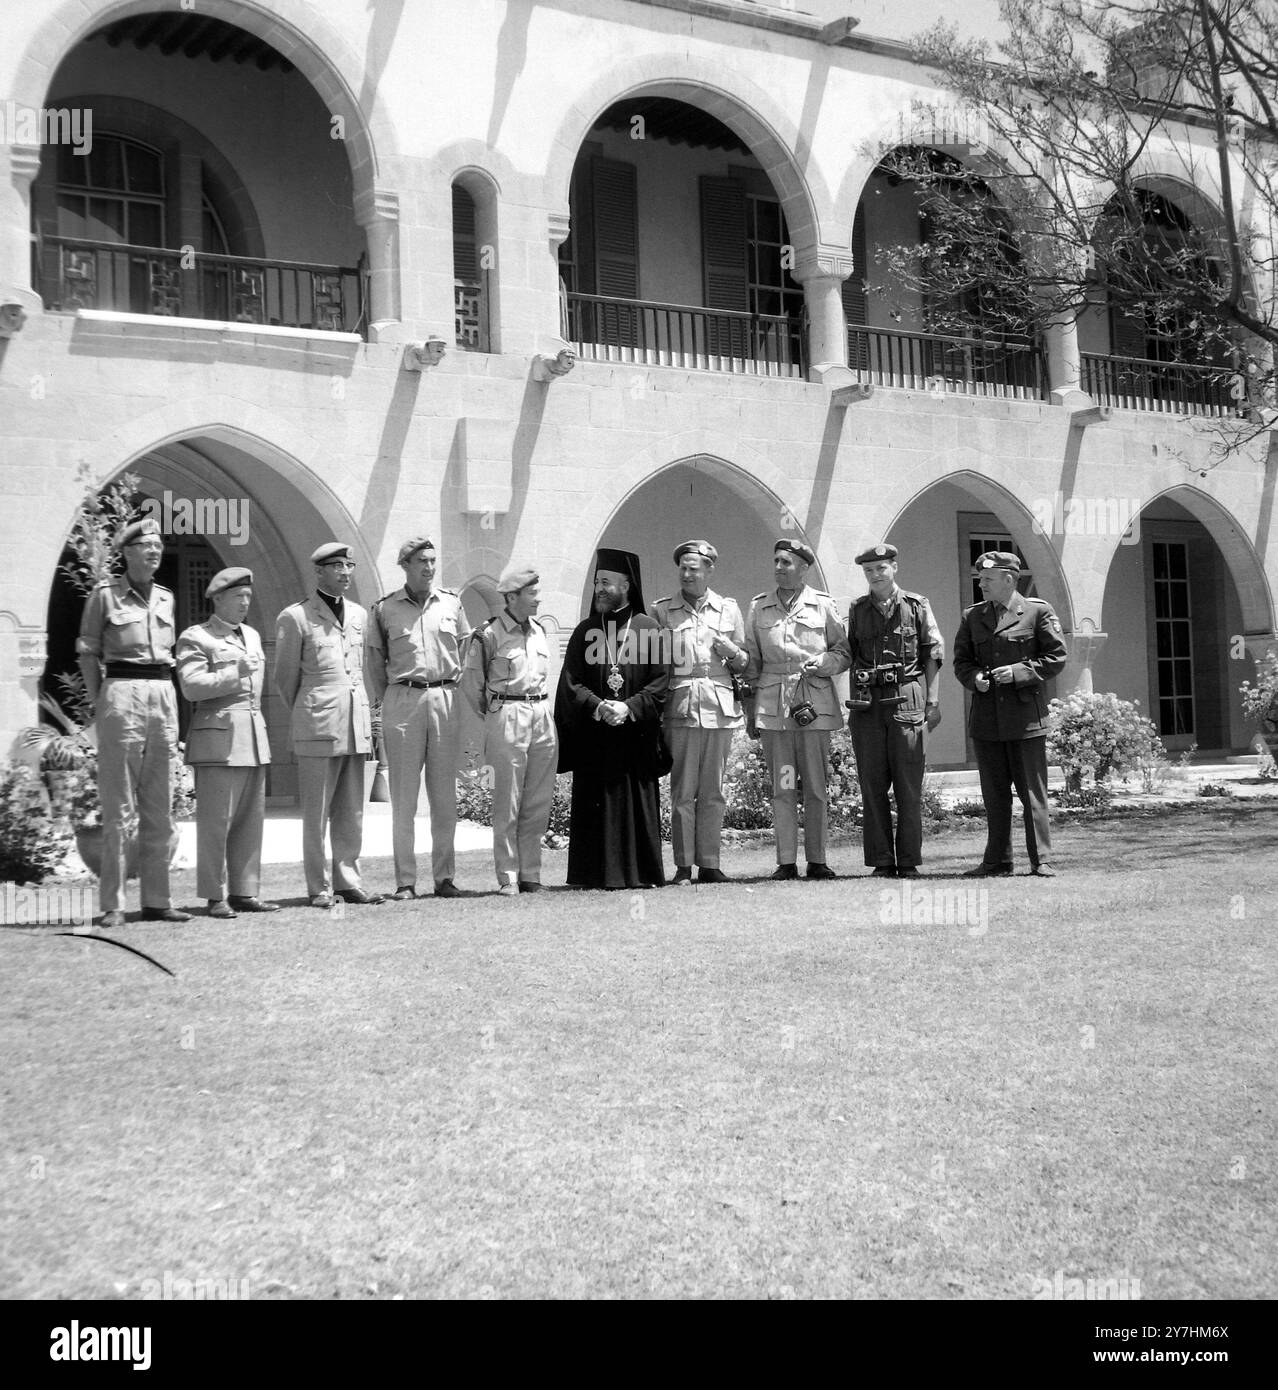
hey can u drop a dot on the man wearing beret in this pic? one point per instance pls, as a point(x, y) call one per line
point(702, 707)
point(788, 633)
point(1007, 648)
point(416, 647)
point(507, 681)
point(895, 651)
point(126, 657)
point(319, 673)
point(221, 670)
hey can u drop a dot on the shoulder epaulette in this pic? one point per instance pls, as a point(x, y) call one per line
point(757, 597)
point(665, 598)
point(909, 593)
point(820, 593)
point(384, 597)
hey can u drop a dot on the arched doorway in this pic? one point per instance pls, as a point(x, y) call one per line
point(700, 497)
point(222, 500)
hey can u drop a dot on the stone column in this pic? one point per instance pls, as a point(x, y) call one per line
point(822, 278)
point(1064, 364)
point(15, 219)
point(1084, 645)
point(377, 212)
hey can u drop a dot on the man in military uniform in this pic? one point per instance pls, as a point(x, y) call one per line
point(1006, 650)
point(895, 651)
point(788, 633)
point(126, 657)
point(507, 680)
point(221, 670)
point(416, 647)
point(702, 707)
point(319, 673)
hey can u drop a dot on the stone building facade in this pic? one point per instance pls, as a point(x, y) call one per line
point(316, 196)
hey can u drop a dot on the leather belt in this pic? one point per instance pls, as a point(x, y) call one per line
point(137, 671)
point(426, 685)
point(520, 699)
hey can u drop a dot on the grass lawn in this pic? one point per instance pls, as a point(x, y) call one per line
point(754, 1090)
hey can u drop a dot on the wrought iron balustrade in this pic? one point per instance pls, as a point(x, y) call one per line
point(77, 274)
point(947, 365)
point(1182, 388)
point(681, 335)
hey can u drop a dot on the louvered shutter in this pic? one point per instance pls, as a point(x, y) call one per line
point(726, 268)
point(854, 305)
point(616, 245)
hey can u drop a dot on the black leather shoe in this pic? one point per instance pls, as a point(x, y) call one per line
point(714, 875)
point(526, 885)
point(786, 871)
point(989, 871)
point(884, 871)
point(1043, 871)
point(219, 907)
point(683, 874)
point(164, 914)
point(110, 920)
point(252, 905)
point(359, 897)
point(906, 871)
point(403, 895)
point(446, 888)
point(821, 871)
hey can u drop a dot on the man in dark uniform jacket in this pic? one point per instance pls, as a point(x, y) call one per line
point(1006, 649)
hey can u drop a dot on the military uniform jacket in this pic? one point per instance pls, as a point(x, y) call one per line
point(227, 728)
point(120, 625)
point(1026, 637)
point(908, 634)
point(421, 642)
point(503, 660)
point(701, 694)
point(779, 641)
point(319, 673)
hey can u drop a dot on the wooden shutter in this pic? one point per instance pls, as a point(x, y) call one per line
point(854, 305)
point(615, 209)
point(725, 262)
point(465, 261)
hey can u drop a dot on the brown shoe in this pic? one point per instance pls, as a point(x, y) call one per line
point(324, 900)
point(110, 920)
point(252, 905)
point(1043, 871)
point(219, 907)
point(403, 895)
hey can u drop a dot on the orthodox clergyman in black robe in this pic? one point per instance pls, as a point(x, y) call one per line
point(608, 711)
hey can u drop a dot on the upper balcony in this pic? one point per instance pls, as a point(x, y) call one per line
point(183, 203)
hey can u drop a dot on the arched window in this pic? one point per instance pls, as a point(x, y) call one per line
point(114, 193)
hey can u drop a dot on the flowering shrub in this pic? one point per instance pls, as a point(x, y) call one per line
point(1099, 734)
point(844, 788)
point(33, 843)
point(1260, 701)
point(747, 788)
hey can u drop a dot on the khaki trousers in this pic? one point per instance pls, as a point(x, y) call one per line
point(522, 749)
point(421, 731)
point(230, 806)
point(137, 748)
point(696, 793)
point(804, 752)
point(332, 792)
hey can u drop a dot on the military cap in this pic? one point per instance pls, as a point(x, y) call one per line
point(330, 550)
point(235, 578)
point(886, 551)
point(796, 547)
point(516, 577)
point(410, 548)
point(702, 548)
point(996, 560)
point(135, 530)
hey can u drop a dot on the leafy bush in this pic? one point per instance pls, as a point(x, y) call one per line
point(1099, 734)
point(747, 788)
point(843, 784)
point(33, 843)
point(1260, 701)
point(968, 808)
point(1098, 798)
point(935, 808)
point(1214, 789)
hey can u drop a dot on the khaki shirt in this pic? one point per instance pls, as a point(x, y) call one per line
point(780, 640)
point(700, 694)
point(120, 625)
point(503, 659)
point(420, 643)
point(227, 727)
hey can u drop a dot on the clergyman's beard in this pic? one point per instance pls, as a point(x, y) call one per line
point(608, 603)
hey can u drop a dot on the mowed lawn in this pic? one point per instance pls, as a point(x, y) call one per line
point(761, 1090)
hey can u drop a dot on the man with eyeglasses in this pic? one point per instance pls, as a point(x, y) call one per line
point(126, 657)
point(319, 673)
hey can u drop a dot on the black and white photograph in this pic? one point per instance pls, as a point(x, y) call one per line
point(638, 663)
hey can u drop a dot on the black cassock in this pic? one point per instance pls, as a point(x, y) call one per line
point(615, 827)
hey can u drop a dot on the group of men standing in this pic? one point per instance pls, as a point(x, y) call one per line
point(641, 695)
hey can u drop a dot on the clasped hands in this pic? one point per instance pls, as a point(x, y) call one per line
point(1003, 675)
point(614, 712)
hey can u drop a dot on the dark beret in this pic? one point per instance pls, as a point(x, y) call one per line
point(135, 530)
point(235, 578)
point(410, 548)
point(702, 548)
point(886, 551)
point(996, 560)
point(796, 547)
